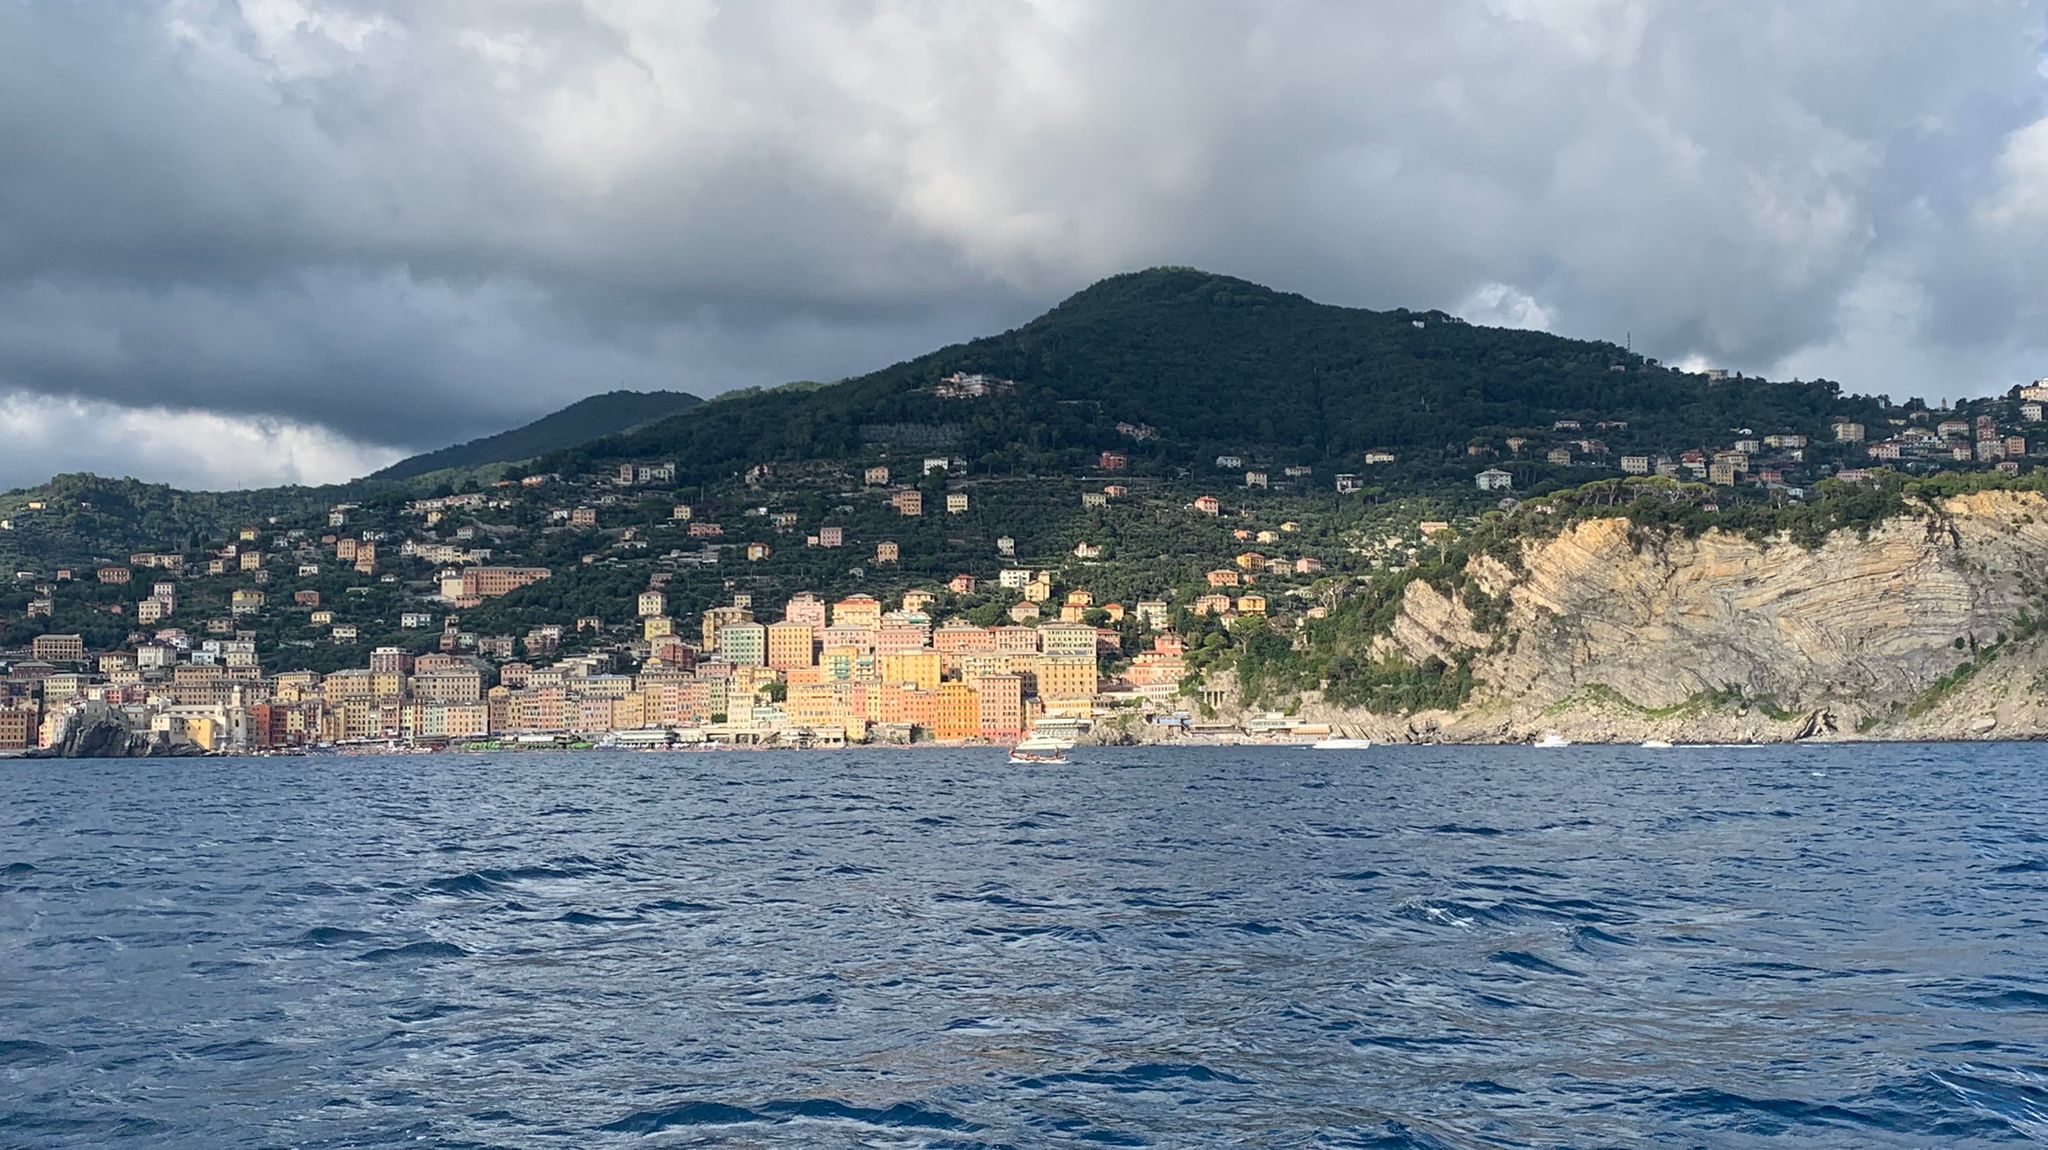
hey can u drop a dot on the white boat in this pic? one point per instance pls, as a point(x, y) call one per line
point(1040, 751)
point(1553, 739)
point(1340, 744)
point(1656, 744)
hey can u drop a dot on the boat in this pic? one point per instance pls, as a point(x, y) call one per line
point(1656, 744)
point(1553, 739)
point(1340, 744)
point(1039, 751)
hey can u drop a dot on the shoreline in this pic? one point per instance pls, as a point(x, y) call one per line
point(40, 755)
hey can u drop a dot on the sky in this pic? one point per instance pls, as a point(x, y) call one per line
point(273, 241)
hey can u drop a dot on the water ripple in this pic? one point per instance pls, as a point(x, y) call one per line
point(1417, 948)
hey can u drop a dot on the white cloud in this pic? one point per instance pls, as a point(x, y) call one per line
point(191, 449)
point(1502, 305)
point(2021, 202)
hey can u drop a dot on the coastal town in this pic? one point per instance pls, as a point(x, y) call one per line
point(892, 600)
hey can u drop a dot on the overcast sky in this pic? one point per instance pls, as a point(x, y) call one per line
point(284, 240)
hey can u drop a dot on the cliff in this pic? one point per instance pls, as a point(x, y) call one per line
point(104, 733)
point(1921, 627)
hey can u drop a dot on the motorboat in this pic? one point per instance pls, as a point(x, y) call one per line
point(1039, 751)
point(1656, 744)
point(1553, 739)
point(1340, 744)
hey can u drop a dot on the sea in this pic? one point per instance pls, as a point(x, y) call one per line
point(1204, 947)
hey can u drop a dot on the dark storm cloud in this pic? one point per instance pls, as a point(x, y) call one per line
point(412, 223)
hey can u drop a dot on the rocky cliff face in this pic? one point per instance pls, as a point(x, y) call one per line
point(103, 733)
point(1617, 633)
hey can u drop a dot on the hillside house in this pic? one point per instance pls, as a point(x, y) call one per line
point(963, 584)
point(1087, 550)
point(1349, 484)
point(1255, 479)
point(1847, 431)
point(1006, 546)
point(1494, 479)
point(908, 504)
point(831, 536)
point(1635, 464)
point(1207, 505)
point(1094, 499)
point(886, 552)
point(956, 503)
point(1560, 456)
point(1374, 458)
point(1230, 462)
point(1114, 461)
point(1115, 491)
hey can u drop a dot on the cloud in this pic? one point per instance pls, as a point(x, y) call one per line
point(412, 224)
point(1502, 305)
point(196, 450)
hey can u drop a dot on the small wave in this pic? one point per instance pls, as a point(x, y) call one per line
point(2015, 999)
point(902, 1115)
point(17, 870)
point(330, 936)
point(427, 1012)
point(2030, 866)
point(1462, 829)
point(678, 906)
point(239, 1051)
point(1767, 1116)
point(495, 880)
point(413, 952)
point(585, 918)
point(27, 1052)
point(1255, 927)
point(1136, 1075)
point(1586, 938)
point(1523, 960)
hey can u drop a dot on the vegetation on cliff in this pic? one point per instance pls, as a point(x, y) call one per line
point(582, 421)
point(1221, 366)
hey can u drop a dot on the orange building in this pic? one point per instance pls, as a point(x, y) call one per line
point(959, 713)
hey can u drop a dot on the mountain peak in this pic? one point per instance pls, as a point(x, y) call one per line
point(1171, 286)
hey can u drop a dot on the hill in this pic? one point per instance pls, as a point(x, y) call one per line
point(1222, 366)
point(584, 420)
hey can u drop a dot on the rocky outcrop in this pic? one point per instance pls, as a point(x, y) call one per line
point(105, 733)
point(1614, 632)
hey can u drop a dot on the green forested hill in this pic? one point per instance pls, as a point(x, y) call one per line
point(586, 419)
point(1220, 365)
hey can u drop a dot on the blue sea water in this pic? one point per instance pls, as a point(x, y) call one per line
point(1152, 947)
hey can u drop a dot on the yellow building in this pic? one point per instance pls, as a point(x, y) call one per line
point(918, 668)
point(657, 626)
point(790, 645)
point(1066, 678)
point(629, 712)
